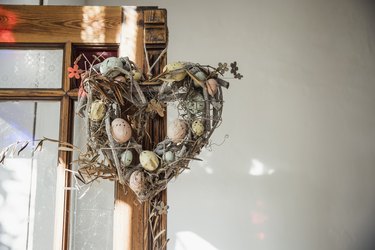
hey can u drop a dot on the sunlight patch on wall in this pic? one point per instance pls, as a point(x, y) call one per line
point(129, 33)
point(257, 168)
point(14, 207)
point(93, 26)
point(189, 240)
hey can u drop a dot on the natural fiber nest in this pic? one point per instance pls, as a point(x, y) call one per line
point(139, 102)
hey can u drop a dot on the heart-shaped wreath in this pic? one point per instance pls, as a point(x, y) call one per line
point(117, 104)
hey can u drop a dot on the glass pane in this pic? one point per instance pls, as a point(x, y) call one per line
point(31, 68)
point(92, 207)
point(28, 181)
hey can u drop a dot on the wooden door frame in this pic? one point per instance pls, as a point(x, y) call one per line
point(61, 26)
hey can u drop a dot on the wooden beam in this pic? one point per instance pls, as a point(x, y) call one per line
point(59, 24)
point(128, 216)
point(32, 94)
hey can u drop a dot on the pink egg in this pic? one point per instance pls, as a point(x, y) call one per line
point(121, 130)
point(177, 130)
point(211, 85)
point(137, 181)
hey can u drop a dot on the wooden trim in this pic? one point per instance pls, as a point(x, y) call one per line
point(128, 211)
point(59, 24)
point(66, 135)
point(151, 23)
point(32, 94)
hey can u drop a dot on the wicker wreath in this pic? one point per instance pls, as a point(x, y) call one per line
point(118, 104)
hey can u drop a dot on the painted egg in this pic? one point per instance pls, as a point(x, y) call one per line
point(120, 79)
point(108, 64)
point(127, 158)
point(201, 77)
point(197, 127)
point(121, 130)
point(177, 130)
point(149, 160)
point(212, 86)
point(137, 76)
point(168, 156)
point(137, 181)
point(196, 104)
point(180, 74)
point(97, 111)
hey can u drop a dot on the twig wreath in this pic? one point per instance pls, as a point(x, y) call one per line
point(117, 109)
point(113, 88)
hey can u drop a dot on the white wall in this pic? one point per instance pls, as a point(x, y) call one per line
point(302, 118)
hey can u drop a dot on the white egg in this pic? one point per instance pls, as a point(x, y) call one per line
point(197, 128)
point(127, 158)
point(168, 156)
point(137, 76)
point(97, 111)
point(201, 77)
point(109, 64)
point(177, 71)
point(149, 160)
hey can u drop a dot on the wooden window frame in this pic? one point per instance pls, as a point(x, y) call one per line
point(152, 34)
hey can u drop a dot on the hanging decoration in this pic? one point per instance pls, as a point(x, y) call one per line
point(118, 103)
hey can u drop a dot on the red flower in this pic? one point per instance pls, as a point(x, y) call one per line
point(74, 72)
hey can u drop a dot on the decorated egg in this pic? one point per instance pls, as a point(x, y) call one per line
point(177, 130)
point(127, 158)
point(121, 130)
point(180, 74)
point(197, 127)
point(201, 77)
point(149, 160)
point(212, 86)
point(196, 104)
point(168, 156)
point(137, 76)
point(120, 79)
point(109, 64)
point(137, 181)
point(97, 111)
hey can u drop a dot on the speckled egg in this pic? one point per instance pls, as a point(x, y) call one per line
point(137, 76)
point(168, 156)
point(196, 104)
point(197, 127)
point(177, 130)
point(149, 160)
point(97, 111)
point(179, 75)
point(201, 77)
point(137, 181)
point(108, 64)
point(212, 86)
point(126, 158)
point(121, 130)
point(120, 78)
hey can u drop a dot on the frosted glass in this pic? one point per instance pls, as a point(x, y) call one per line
point(27, 181)
point(31, 68)
point(92, 207)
